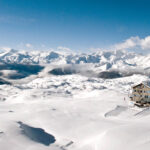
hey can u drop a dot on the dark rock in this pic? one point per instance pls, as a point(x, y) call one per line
point(109, 75)
point(22, 70)
point(37, 134)
point(62, 71)
point(2, 81)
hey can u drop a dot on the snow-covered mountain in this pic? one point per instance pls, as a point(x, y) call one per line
point(67, 101)
point(42, 57)
point(103, 59)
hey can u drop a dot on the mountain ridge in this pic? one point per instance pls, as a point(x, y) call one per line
point(104, 60)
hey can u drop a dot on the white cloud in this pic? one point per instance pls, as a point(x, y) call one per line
point(28, 45)
point(129, 43)
point(63, 48)
point(92, 49)
point(134, 42)
point(145, 43)
point(5, 48)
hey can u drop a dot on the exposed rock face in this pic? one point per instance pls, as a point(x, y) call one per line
point(109, 75)
point(62, 71)
point(2, 81)
point(37, 134)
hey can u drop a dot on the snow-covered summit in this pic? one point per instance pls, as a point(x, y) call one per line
point(107, 58)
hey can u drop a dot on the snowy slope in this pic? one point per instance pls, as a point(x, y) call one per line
point(76, 111)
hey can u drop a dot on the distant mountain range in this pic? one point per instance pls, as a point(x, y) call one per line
point(107, 59)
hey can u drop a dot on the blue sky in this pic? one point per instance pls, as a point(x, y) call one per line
point(76, 24)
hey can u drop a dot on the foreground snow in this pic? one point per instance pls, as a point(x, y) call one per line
point(79, 112)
